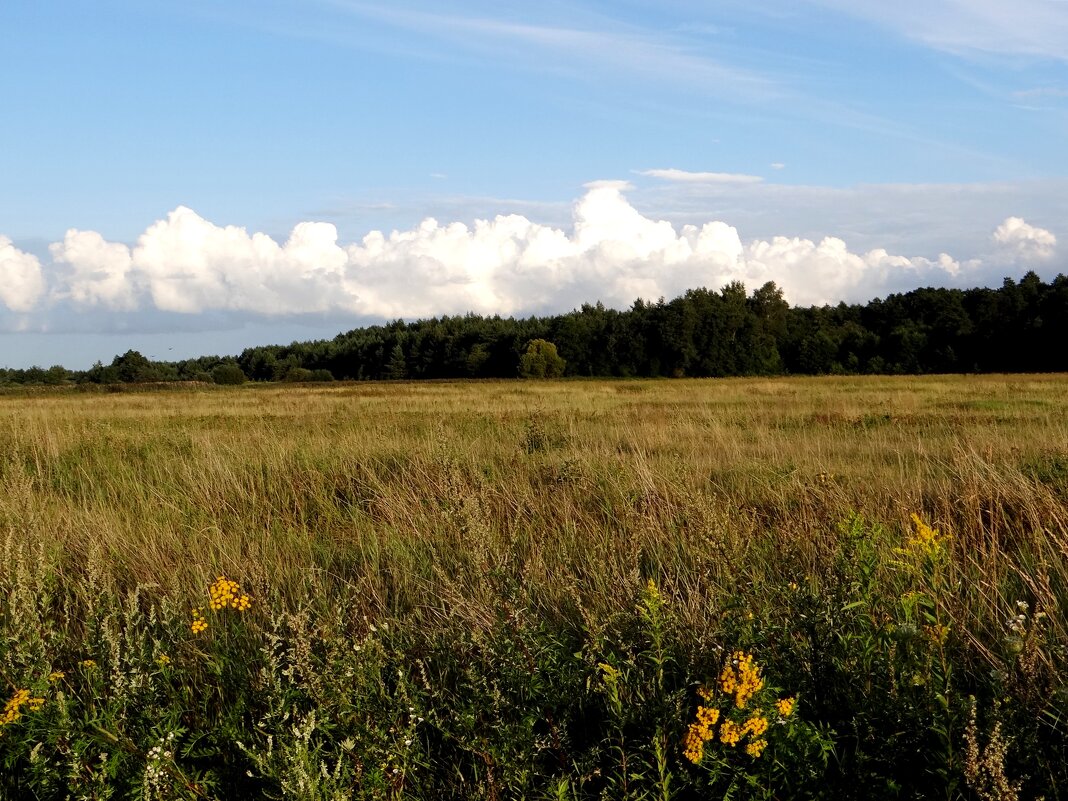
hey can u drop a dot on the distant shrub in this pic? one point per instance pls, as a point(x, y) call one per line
point(541, 361)
point(228, 374)
point(298, 375)
point(321, 375)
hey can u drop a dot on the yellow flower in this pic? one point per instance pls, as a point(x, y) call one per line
point(694, 743)
point(786, 706)
point(13, 708)
point(928, 541)
point(756, 748)
point(58, 675)
point(741, 677)
point(730, 733)
point(707, 715)
point(163, 660)
point(88, 664)
point(756, 725)
point(225, 593)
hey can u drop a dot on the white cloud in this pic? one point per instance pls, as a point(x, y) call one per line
point(1025, 241)
point(189, 264)
point(99, 271)
point(1025, 27)
point(21, 280)
point(685, 176)
point(777, 165)
point(185, 265)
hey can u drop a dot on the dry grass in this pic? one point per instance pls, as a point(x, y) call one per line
point(410, 492)
point(770, 513)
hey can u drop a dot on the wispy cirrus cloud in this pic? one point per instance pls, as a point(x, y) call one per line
point(686, 176)
point(602, 45)
point(1037, 28)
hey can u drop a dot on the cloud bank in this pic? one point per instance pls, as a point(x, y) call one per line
point(186, 265)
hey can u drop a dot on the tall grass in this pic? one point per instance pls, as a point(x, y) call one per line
point(451, 587)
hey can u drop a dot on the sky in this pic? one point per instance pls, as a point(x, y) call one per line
point(195, 178)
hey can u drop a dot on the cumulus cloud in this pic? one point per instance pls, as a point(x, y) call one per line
point(684, 176)
point(1025, 241)
point(22, 282)
point(186, 265)
point(99, 271)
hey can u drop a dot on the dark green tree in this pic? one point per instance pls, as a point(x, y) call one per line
point(398, 365)
point(229, 374)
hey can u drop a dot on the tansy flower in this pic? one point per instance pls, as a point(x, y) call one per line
point(786, 706)
point(756, 725)
point(730, 733)
point(756, 748)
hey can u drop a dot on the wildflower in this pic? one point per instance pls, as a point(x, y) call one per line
point(227, 593)
point(731, 733)
point(88, 664)
point(741, 677)
point(928, 541)
point(693, 744)
point(705, 693)
point(57, 676)
point(727, 680)
point(786, 706)
point(13, 708)
point(163, 660)
point(199, 624)
point(707, 716)
point(609, 672)
point(699, 732)
point(756, 748)
point(756, 725)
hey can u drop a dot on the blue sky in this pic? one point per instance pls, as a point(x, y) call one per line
point(196, 177)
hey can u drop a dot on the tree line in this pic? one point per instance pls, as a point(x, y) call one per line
point(1019, 327)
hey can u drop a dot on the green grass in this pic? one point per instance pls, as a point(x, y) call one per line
point(479, 552)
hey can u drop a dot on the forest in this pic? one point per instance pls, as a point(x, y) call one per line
point(1018, 327)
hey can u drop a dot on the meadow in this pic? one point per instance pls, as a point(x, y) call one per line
point(669, 589)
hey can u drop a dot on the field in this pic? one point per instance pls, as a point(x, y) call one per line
point(746, 588)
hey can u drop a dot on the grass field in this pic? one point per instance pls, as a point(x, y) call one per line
point(749, 588)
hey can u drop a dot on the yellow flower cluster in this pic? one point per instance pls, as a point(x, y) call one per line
point(59, 675)
point(226, 593)
point(199, 624)
point(786, 706)
point(756, 725)
point(699, 733)
point(741, 678)
point(163, 660)
point(730, 733)
point(925, 539)
point(88, 664)
point(13, 708)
